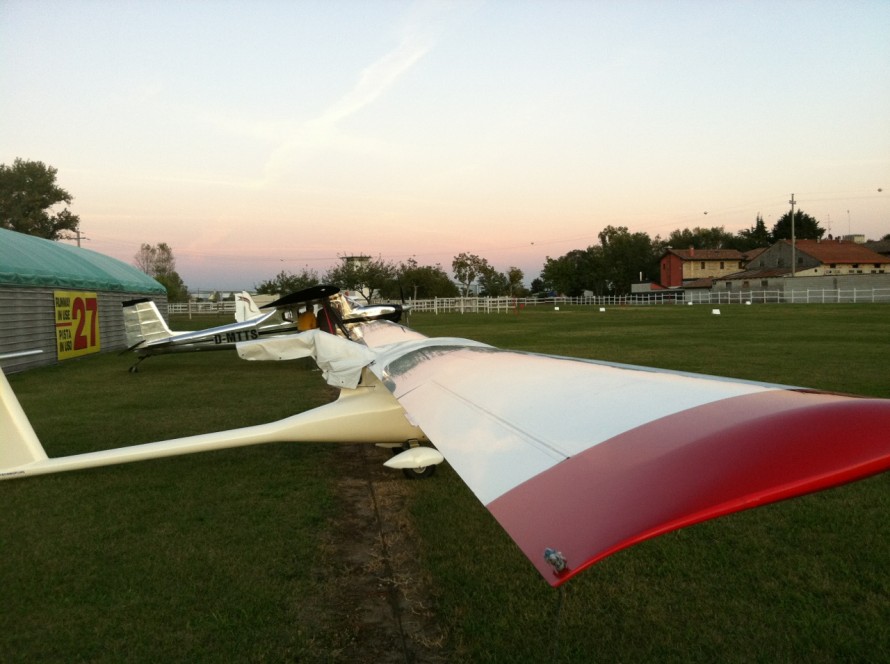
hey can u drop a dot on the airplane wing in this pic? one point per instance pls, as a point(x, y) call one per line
point(578, 459)
point(313, 293)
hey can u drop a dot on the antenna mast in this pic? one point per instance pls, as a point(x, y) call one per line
point(793, 250)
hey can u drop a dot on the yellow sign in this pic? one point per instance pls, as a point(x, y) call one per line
point(77, 324)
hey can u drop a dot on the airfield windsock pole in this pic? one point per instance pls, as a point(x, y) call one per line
point(793, 257)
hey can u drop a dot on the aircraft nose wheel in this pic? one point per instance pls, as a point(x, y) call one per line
point(419, 473)
point(414, 473)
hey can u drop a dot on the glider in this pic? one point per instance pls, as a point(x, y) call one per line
point(576, 459)
point(321, 306)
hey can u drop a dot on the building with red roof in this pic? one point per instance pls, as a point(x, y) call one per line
point(816, 258)
point(681, 266)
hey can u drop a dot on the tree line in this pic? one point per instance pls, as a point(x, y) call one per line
point(30, 197)
point(622, 257)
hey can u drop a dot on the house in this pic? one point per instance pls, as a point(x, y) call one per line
point(815, 258)
point(680, 266)
point(830, 266)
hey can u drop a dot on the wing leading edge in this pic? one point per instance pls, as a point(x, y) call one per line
point(579, 459)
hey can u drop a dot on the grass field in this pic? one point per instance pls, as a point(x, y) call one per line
point(214, 557)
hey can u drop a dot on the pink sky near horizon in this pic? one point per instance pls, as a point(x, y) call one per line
point(260, 137)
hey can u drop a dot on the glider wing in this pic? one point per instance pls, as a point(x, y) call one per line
point(579, 459)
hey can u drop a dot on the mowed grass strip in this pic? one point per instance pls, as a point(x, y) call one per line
point(214, 556)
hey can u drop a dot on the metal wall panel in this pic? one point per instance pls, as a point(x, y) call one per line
point(27, 322)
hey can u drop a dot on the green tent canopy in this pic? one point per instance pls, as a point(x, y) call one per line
point(26, 260)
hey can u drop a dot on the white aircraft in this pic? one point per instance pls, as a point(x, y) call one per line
point(576, 459)
point(148, 334)
point(317, 306)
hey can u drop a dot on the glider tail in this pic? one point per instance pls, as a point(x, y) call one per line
point(143, 322)
point(19, 445)
point(245, 307)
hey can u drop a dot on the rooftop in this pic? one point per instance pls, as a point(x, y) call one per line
point(838, 251)
point(692, 254)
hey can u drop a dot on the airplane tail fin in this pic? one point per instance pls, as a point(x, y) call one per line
point(20, 445)
point(143, 322)
point(245, 307)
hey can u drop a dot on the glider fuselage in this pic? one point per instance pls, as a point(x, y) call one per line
point(223, 337)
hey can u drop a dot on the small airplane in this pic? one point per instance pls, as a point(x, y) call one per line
point(148, 334)
point(596, 474)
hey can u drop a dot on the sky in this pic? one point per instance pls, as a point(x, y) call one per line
point(263, 136)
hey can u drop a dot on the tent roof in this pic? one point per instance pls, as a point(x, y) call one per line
point(26, 260)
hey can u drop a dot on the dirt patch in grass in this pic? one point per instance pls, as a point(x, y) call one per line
point(377, 600)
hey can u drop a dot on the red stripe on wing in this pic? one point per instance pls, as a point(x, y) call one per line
point(701, 463)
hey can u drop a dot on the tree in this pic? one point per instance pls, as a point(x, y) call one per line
point(466, 268)
point(756, 236)
point(158, 262)
point(285, 283)
point(805, 227)
point(28, 192)
point(607, 268)
point(155, 260)
point(575, 272)
point(177, 291)
point(498, 284)
point(493, 283)
point(514, 281)
point(364, 276)
point(424, 281)
point(716, 237)
point(626, 256)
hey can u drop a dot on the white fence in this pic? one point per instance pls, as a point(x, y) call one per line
point(808, 296)
point(491, 305)
point(504, 304)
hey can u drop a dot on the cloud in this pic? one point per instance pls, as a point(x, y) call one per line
point(375, 80)
point(323, 132)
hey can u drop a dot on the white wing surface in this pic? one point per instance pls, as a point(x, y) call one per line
point(579, 459)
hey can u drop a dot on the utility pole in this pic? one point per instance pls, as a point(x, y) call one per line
point(793, 250)
point(78, 236)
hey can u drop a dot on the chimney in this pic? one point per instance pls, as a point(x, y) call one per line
point(691, 251)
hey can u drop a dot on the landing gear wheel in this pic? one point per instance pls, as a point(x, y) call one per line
point(419, 473)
